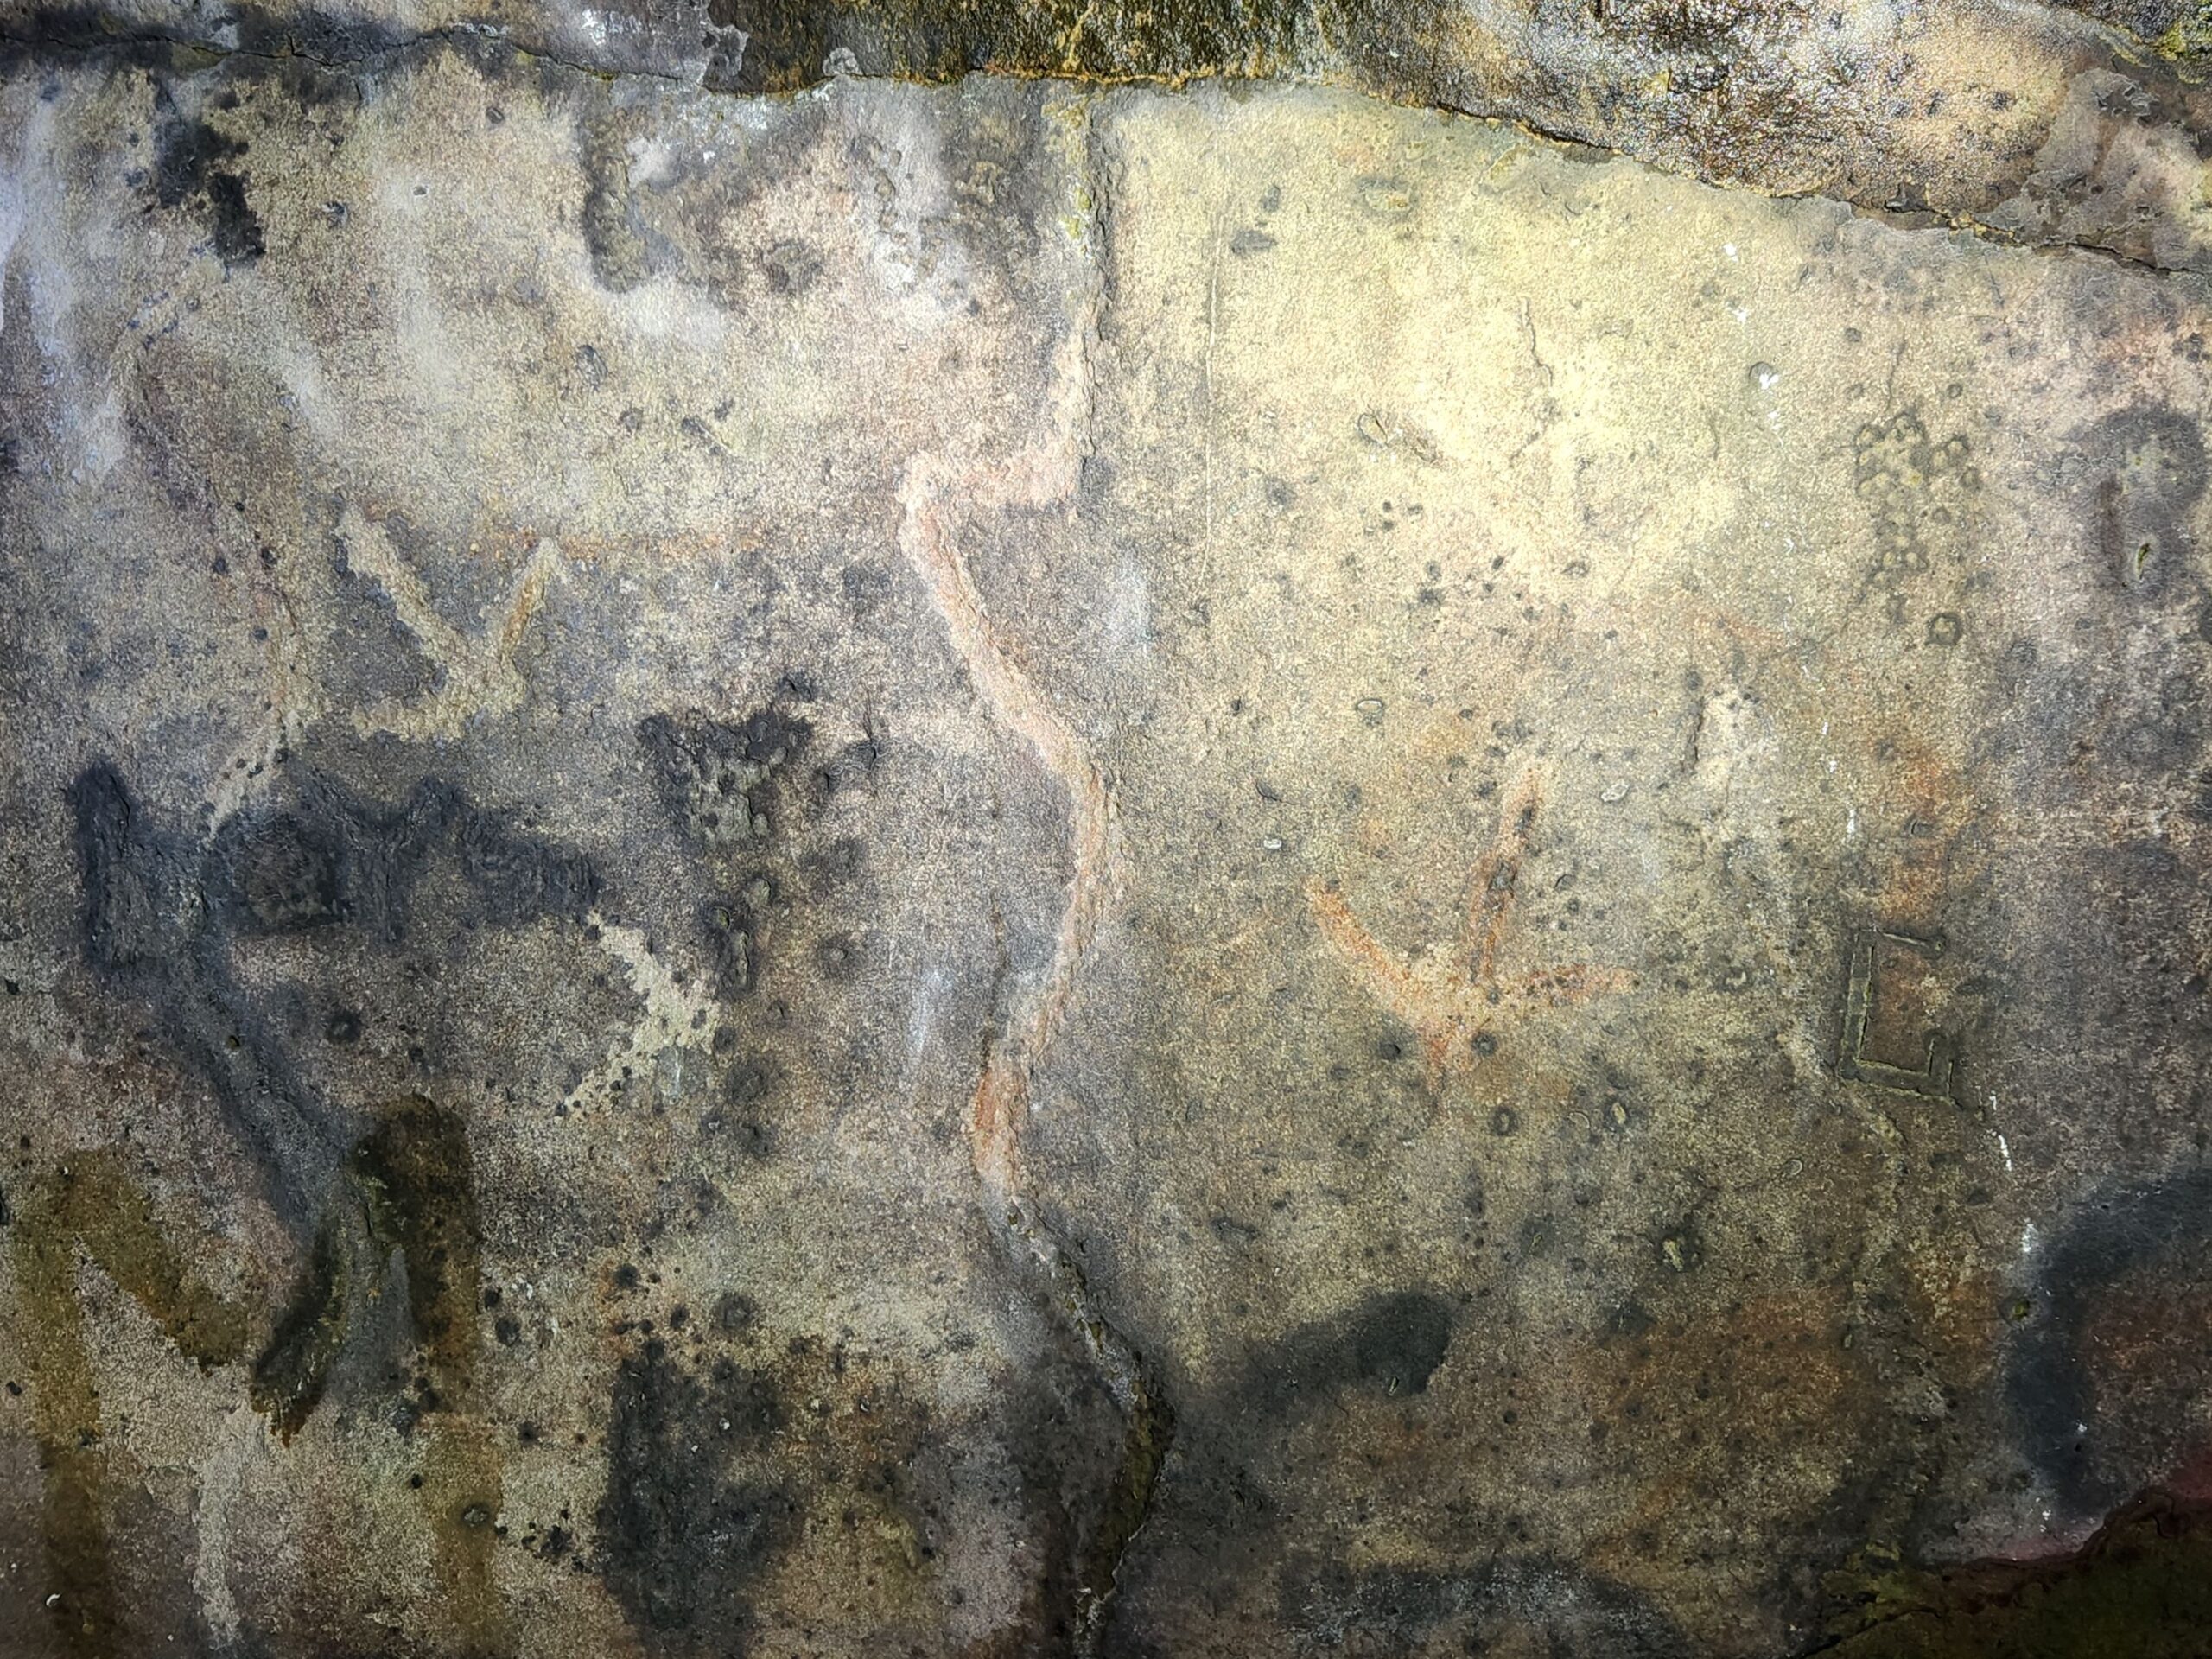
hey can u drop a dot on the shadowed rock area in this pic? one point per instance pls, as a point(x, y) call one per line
point(2076, 123)
point(812, 856)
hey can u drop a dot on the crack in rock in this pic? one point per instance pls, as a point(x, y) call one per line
point(2027, 125)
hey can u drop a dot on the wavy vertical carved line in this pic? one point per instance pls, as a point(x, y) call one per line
point(938, 495)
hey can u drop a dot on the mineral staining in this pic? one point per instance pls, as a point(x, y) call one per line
point(1027, 867)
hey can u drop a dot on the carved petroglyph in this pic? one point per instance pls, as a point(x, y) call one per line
point(1459, 1002)
point(937, 496)
point(1915, 486)
point(476, 675)
point(1933, 1078)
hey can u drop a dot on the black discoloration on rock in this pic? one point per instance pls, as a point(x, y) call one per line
point(317, 34)
point(336, 858)
point(2100, 1411)
point(132, 877)
point(2151, 475)
point(517, 876)
point(707, 772)
point(742, 1122)
point(190, 170)
point(727, 928)
point(1391, 1343)
point(161, 914)
point(291, 1372)
point(144, 924)
point(418, 1184)
point(611, 226)
point(286, 876)
point(410, 1187)
point(681, 1537)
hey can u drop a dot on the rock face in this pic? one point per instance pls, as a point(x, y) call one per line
point(1022, 867)
point(2074, 124)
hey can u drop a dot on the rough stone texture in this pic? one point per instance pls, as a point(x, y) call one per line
point(1015, 868)
point(2071, 126)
